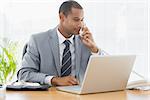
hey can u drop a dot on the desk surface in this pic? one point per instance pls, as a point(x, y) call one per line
point(53, 94)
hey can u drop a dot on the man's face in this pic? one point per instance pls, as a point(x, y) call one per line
point(73, 21)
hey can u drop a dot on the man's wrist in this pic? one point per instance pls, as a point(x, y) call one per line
point(54, 81)
point(95, 49)
point(98, 53)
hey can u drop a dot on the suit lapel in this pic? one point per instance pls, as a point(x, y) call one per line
point(54, 45)
point(77, 54)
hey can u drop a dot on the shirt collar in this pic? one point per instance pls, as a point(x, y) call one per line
point(61, 38)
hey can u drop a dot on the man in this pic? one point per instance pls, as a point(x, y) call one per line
point(60, 56)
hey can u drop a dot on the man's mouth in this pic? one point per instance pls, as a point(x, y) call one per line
point(78, 30)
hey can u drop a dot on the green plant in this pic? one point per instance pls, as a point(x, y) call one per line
point(8, 61)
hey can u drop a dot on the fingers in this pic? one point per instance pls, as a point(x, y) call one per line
point(65, 81)
point(73, 80)
point(87, 37)
point(68, 84)
point(85, 28)
point(86, 33)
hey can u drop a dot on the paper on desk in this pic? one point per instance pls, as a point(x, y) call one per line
point(137, 83)
point(145, 88)
point(25, 84)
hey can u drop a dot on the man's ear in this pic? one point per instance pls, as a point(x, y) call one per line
point(61, 16)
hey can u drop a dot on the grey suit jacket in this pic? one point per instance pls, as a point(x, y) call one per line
point(42, 57)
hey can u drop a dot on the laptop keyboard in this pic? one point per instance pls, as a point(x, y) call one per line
point(73, 88)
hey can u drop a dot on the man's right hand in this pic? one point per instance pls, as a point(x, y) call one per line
point(64, 81)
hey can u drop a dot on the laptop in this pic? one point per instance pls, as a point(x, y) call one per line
point(103, 74)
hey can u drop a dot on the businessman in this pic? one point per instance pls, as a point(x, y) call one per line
point(59, 56)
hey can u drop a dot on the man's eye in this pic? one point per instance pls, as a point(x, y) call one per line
point(76, 19)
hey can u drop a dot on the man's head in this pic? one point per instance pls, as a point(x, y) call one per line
point(71, 17)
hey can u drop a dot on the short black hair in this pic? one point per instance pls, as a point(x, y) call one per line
point(66, 6)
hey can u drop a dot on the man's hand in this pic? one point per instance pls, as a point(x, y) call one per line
point(88, 40)
point(64, 81)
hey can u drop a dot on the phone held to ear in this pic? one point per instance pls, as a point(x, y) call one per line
point(81, 30)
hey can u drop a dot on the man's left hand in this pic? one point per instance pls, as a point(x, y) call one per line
point(88, 40)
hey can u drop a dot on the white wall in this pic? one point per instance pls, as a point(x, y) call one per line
point(118, 26)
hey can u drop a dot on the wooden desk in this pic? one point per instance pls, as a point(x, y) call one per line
point(53, 94)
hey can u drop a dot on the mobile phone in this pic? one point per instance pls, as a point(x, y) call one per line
point(81, 32)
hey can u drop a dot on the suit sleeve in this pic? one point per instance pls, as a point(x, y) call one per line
point(30, 70)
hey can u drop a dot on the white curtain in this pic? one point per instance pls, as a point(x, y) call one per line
point(118, 26)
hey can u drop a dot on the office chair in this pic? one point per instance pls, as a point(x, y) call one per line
point(24, 50)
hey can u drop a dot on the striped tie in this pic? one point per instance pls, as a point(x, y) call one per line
point(66, 60)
